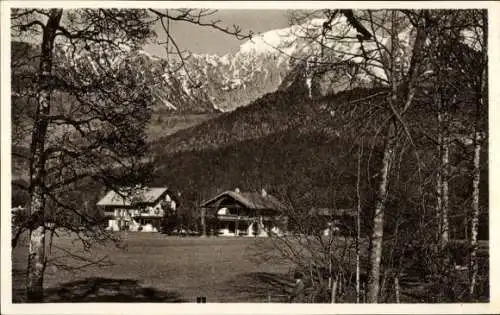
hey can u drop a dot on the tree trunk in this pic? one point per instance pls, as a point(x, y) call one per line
point(36, 265)
point(36, 257)
point(445, 162)
point(442, 189)
point(397, 288)
point(378, 218)
point(439, 182)
point(475, 211)
point(334, 290)
point(483, 97)
point(358, 223)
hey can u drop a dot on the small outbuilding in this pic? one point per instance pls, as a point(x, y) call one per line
point(333, 219)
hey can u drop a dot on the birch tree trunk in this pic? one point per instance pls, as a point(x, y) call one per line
point(378, 219)
point(439, 176)
point(445, 162)
point(376, 241)
point(358, 223)
point(442, 186)
point(334, 290)
point(36, 257)
point(475, 211)
point(397, 288)
point(483, 97)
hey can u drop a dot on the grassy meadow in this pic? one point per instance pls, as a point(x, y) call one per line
point(152, 267)
point(155, 267)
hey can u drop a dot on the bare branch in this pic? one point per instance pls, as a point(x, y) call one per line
point(196, 17)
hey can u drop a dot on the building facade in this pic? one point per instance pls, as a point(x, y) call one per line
point(137, 209)
point(236, 213)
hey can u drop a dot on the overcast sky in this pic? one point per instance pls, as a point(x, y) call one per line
point(205, 40)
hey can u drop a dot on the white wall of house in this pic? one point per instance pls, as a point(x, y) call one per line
point(259, 226)
point(113, 225)
point(127, 215)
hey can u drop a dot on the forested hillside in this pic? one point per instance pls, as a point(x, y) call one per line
point(300, 150)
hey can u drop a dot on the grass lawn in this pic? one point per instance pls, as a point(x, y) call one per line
point(156, 267)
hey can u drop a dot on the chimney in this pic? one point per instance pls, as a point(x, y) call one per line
point(237, 190)
point(263, 192)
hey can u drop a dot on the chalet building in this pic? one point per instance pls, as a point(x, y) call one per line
point(236, 213)
point(141, 210)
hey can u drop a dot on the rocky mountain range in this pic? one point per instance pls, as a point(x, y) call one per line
point(271, 60)
point(204, 83)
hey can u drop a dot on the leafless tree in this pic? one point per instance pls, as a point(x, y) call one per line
point(318, 250)
point(384, 47)
point(93, 136)
point(387, 54)
point(386, 51)
point(474, 31)
point(87, 113)
point(458, 47)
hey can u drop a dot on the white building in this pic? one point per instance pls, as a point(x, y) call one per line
point(137, 209)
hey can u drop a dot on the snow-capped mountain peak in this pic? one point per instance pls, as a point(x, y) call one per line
point(207, 82)
point(281, 41)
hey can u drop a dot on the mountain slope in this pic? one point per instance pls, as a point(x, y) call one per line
point(275, 112)
point(282, 142)
point(305, 162)
point(287, 142)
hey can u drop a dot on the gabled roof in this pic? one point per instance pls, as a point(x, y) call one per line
point(251, 200)
point(145, 195)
